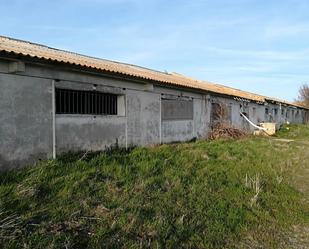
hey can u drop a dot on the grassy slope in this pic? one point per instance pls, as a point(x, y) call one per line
point(191, 195)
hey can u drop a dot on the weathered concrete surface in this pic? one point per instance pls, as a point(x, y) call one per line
point(26, 114)
point(143, 118)
point(200, 117)
point(89, 133)
point(177, 131)
point(197, 127)
point(25, 118)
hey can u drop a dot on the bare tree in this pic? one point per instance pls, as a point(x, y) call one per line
point(303, 95)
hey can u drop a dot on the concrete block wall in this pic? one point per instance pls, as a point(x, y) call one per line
point(26, 131)
point(26, 112)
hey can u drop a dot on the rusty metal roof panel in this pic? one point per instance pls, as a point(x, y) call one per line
point(25, 48)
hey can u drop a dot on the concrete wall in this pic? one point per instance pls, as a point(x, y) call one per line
point(89, 132)
point(79, 132)
point(143, 118)
point(189, 128)
point(25, 118)
point(235, 107)
point(284, 114)
point(26, 115)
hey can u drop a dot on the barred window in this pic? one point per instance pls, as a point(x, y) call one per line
point(85, 102)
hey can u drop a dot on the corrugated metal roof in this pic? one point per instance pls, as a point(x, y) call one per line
point(25, 48)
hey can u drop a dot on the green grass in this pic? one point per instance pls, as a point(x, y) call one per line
point(294, 132)
point(191, 195)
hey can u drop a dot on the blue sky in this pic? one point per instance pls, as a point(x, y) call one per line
point(255, 45)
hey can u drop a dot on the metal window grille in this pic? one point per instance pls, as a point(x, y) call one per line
point(85, 102)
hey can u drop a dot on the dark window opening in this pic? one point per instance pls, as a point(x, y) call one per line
point(267, 116)
point(85, 102)
point(217, 113)
point(220, 114)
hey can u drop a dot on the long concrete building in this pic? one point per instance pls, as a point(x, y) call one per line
point(53, 101)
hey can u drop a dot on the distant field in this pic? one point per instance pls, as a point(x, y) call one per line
point(248, 193)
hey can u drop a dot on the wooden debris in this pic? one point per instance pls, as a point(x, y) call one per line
point(226, 131)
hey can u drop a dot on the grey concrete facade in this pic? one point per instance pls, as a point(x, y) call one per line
point(26, 114)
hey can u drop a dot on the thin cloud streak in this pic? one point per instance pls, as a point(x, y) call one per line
point(253, 44)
